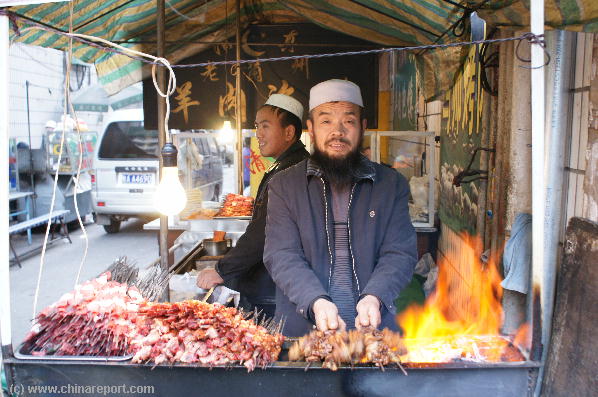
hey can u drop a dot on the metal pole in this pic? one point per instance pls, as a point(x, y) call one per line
point(163, 237)
point(538, 179)
point(29, 136)
point(238, 110)
point(5, 330)
point(560, 45)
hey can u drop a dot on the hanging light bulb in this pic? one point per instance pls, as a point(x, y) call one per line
point(226, 134)
point(170, 197)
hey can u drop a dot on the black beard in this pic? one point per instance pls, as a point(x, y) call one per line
point(339, 171)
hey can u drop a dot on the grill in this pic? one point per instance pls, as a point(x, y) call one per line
point(287, 379)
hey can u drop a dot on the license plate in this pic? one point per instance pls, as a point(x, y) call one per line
point(137, 179)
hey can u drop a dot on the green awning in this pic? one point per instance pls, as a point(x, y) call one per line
point(192, 25)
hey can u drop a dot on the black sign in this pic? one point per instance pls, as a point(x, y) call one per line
point(205, 96)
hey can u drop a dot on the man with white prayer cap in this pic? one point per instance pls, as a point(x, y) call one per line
point(349, 247)
point(278, 130)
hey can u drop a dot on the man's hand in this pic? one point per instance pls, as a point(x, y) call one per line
point(208, 278)
point(326, 315)
point(368, 312)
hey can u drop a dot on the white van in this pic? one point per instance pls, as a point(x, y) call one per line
point(126, 169)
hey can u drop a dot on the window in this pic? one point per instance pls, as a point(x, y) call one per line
point(129, 140)
point(213, 147)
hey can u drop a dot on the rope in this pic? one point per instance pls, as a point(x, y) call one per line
point(80, 163)
point(200, 18)
point(77, 178)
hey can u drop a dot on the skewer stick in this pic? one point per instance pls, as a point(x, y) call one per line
point(402, 368)
point(205, 298)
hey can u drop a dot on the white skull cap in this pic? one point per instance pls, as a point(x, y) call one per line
point(334, 90)
point(287, 103)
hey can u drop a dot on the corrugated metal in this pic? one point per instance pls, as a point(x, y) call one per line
point(397, 23)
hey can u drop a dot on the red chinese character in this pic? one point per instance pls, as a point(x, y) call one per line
point(257, 165)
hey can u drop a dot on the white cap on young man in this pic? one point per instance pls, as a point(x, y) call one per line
point(334, 90)
point(287, 103)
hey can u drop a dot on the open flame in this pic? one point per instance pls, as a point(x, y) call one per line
point(462, 318)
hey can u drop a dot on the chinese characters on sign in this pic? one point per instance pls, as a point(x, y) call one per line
point(183, 99)
point(301, 65)
point(289, 39)
point(210, 73)
point(461, 133)
point(256, 163)
point(285, 89)
point(255, 72)
point(227, 103)
point(207, 93)
point(222, 49)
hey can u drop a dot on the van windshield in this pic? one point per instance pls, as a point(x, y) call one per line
point(129, 140)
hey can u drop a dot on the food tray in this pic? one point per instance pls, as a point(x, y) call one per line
point(22, 353)
point(244, 217)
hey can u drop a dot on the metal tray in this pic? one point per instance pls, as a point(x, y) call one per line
point(23, 348)
point(244, 218)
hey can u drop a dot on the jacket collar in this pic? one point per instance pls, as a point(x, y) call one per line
point(365, 169)
point(294, 148)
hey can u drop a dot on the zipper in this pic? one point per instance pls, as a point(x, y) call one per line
point(350, 246)
point(327, 232)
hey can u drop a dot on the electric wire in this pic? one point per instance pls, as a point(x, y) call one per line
point(56, 175)
point(78, 177)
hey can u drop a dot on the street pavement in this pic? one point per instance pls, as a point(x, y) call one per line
point(62, 263)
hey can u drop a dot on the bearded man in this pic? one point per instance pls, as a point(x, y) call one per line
point(340, 245)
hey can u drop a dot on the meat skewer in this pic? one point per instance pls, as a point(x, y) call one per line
point(199, 332)
point(90, 321)
point(334, 348)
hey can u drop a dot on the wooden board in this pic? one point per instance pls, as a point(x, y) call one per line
point(573, 357)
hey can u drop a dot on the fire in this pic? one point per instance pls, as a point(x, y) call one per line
point(462, 319)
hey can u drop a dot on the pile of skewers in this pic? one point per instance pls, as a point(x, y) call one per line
point(98, 318)
point(211, 335)
point(334, 348)
point(236, 205)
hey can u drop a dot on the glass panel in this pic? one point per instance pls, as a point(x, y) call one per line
point(71, 150)
point(366, 147)
point(406, 152)
point(201, 173)
point(13, 173)
point(246, 158)
point(213, 147)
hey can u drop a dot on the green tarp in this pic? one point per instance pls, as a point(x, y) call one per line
point(191, 25)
